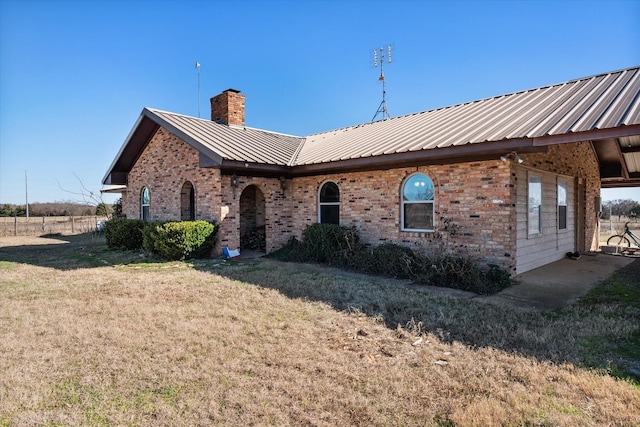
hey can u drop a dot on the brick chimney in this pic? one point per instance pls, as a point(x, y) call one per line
point(228, 108)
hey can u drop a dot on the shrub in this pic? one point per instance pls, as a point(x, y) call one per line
point(464, 273)
point(451, 271)
point(293, 251)
point(330, 243)
point(124, 233)
point(390, 259)
point(340, 246)
point(180, 239)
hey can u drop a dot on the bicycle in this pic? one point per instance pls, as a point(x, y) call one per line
point(622, 240)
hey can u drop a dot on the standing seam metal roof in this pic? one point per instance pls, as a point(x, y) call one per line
point(233, 142)
point(602, 101)
point(605, 101)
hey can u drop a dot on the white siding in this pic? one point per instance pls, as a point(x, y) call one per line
point(552, 244)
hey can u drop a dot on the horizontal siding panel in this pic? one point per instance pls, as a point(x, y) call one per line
point(552, 244)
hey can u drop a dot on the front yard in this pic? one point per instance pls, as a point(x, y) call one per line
point(97, 337)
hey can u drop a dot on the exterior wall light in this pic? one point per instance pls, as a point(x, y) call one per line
point(513, 156)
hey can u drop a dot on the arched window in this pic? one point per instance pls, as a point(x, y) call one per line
point(144, 204)
point(329, 204)
point(417, 203)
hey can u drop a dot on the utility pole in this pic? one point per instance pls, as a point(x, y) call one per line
point(26, 194)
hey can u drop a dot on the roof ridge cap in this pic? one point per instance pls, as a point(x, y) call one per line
point(294, 157)
point(156, 110)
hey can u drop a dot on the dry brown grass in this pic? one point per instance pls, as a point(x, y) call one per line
point(94, 337)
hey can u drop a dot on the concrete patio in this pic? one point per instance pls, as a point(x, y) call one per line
point(561, 283)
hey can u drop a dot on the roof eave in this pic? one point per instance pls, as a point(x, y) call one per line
point(616, 132)
point(446, 155)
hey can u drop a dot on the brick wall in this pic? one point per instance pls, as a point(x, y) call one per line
point(473, 196)
point(478, 197)
point(164, 166)
point(275, 214)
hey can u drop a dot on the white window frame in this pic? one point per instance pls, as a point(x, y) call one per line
point(143, 204)
point(320, 203)
point(562, 187)
point(531, 232)
point(404, 202)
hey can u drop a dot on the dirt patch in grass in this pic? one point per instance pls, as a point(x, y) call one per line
point(96, 337)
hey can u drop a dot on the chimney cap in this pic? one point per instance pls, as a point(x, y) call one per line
point(232, 90)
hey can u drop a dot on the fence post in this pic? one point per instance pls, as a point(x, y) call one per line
point(72, 224)
point(43, 225)
point(15, 225)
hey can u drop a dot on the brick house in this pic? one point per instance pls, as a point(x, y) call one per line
point(514, 179)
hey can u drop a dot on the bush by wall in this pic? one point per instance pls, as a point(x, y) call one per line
point(390, 259)
point(180, 239)
point(124, 233)
point(340, 246)
point(330, 243)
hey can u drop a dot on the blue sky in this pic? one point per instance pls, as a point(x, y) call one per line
point(75, 74)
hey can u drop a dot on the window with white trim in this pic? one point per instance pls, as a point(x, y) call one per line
point(534, 205)
point(562, 205)
point(417, 203)
point(144, 204)
point(329, 203)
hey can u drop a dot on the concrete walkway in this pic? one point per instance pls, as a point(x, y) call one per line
point(561, 283)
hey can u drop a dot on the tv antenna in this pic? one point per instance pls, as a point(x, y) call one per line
point(382, 109)
point(198, 68)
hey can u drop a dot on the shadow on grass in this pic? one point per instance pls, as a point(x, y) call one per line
point(67, 252)
point(565, 336)
point(601, 332)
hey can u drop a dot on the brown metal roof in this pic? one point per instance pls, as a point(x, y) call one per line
point(604, 101)
point(230, 142)
point(604, 109)
point(218, 144)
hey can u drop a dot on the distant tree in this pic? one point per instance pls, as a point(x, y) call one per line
point(117, 208)
point(103, 209)
point(6, 210)
point(618, 208)
point(19, 211)
point(635, 211)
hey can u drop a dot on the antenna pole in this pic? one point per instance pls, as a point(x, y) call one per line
point(382, 108)
point(198, 68)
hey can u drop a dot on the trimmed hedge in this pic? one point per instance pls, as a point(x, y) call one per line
point(180, 239)
point(167, 239)
point(124, 233)
point(340, 246)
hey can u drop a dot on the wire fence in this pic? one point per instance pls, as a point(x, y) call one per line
point(39, 226)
